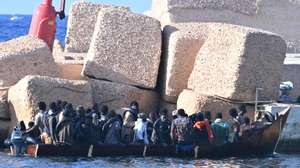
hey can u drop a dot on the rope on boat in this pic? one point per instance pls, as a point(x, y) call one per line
point(235, 101)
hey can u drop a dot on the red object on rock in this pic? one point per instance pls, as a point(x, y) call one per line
point(43, 23)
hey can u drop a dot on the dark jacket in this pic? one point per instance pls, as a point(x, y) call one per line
point(161, 132)
point(112, 131)
point(65, 130)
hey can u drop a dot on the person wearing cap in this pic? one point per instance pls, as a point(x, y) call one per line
point(221, 130)
point(141, 130)
point(161, 130)
point(129, 117)
point(181, 131)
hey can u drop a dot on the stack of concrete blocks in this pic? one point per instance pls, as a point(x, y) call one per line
point(20, 57)
point(278, 16)
point(126, 51)
point(232, 62)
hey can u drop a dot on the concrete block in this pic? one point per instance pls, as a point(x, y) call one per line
point(125, 48)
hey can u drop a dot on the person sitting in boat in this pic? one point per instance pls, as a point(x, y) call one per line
point(246, 128)
point(33, 132)
point(202, 132)
point(181, 131)
point(18, 140)
point(207, 116)
point(112, 129)
point(129, 117)
point(60, 115)
point(141, 130)
point(104, 113)
point(161, 130)
point(96, 128)
point(39, 117)
point(82, 129)
point(174, 114)
point(234, 125)
point(241, 115)
point(59, 107)
point(65, 128)
point(103, 118)
point(220, 130)
point(50, 123)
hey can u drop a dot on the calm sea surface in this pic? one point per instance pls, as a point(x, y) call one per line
point(12, 26)
point(277, 160)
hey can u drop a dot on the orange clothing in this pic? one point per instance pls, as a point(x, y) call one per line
point(205, 124)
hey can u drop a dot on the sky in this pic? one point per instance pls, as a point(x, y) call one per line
point(28, 6)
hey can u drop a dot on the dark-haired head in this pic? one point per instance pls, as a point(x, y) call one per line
point(199, 117)
point(69, 106)
point(104, 110)
point(219, 115)
point(80, 111)
point(64, 104)
point(233, 112)
point(181, 112)
point(22, 126)
point(247, 120)
point(52, 106)
point(243, 109)
point(207, 115)
point(59, 105)
point(112, 114)
point(30, 124)
point(42, 106)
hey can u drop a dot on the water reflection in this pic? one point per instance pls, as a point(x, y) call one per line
point(159, 162)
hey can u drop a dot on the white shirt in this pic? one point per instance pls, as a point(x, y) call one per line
point(140, 130)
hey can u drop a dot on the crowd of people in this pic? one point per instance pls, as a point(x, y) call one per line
point(61, 124)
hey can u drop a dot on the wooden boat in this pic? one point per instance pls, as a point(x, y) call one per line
point(261, 144)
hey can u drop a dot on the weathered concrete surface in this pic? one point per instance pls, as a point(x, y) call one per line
point(70, 65)
point(5, 129)
point(290, 136)
point(125, 48)
point(4, 111)
point(170, 107)
point(278, 16)
point(23, 56)
point(81, 23)
point(182, 43)
point(235, 60)
point(191, 102)
point(24, 96)
point(70, 69)
point(117, 95)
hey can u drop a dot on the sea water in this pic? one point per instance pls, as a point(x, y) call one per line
point(12, 26)
point(274, 161)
